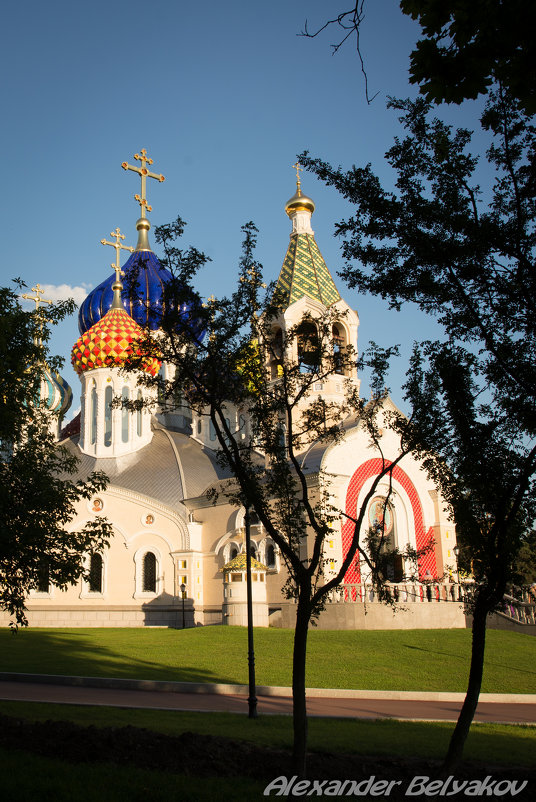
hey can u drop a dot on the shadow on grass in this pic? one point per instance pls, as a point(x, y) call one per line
point(155, 654)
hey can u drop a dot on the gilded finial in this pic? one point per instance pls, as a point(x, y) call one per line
point(117, 286)
point(36, 298)
point(144, 173)
point(299, 202)
point(297, 166)
point(118, 248)
point(38, 301)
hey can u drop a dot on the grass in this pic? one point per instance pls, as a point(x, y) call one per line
point(498, 744)
point(426, 660)
point(27, 777)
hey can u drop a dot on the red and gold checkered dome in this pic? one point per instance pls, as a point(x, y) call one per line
point(110, 341)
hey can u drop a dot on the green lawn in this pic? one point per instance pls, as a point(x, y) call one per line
point(498, 744)
point(28, 777)
point(428, 660)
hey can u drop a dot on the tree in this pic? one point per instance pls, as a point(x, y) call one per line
point(248, 362)
point(37, 495)
point(467, 48)
point(466, 257)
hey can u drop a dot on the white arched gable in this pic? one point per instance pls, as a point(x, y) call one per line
point(150, 534)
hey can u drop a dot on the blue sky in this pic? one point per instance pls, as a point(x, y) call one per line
point(223, 96)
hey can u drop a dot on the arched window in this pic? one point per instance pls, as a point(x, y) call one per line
point(337, 334)
point(96, 565)
point(43, 578)
point(139, 411)
point(382, 538)
point(233, 553)
point(270, 556)
point(93, 415)
point(108, 395)
point(309, 354)
point(276, 353)
point(125, 415)
point(149, 573)
point(161, 387)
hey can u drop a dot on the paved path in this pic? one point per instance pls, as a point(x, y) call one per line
point(412, 709)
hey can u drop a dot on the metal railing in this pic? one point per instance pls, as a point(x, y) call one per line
point(519, 605)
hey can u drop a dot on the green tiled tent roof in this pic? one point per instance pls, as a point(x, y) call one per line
point(304, 272)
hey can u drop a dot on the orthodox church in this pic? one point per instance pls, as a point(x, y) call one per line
point(176, 559)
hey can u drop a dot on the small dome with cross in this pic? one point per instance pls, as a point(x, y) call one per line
point(110, 342)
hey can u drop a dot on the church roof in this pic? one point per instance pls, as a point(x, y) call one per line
point(305, 272)
point(238, 563)
point(170, 468)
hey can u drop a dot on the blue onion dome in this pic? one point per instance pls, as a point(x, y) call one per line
point(143, 293)
point(55, 392)
point(147, 293)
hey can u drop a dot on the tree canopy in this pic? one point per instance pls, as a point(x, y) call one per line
point(467, 48)
point(466, 255)
point(253, 363)
point(38, 497)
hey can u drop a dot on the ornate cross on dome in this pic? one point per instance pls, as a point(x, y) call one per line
point(36, 298)
point(118, 247)
point(298, 167)
point(38, 301)
point(144, 173)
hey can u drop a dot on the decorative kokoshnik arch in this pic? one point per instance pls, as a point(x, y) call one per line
point(423, 537)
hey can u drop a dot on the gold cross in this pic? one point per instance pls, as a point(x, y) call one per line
point(38, 301)
point(118, 247)
point(298, 167)
point(144, 173)
point(36, 298)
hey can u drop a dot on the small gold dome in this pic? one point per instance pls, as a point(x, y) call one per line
point(299, 203)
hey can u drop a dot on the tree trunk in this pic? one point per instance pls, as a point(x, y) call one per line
point(465, 719)
point(299, 706)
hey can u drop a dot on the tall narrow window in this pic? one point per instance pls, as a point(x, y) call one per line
point(382, 538)
point(276, 348)
point(125, 415)
point(338, 348)
point(309, 352)
point(138, 415)
point(270, 556)
point(93, 416)
point(149, 573)
point(43, 580)
point(95, 573)
point(108, 395)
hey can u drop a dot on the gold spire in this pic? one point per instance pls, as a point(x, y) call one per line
point(297, 166)
point(117, 286)
point(144, 173)
point(299, 202)
point(38, 301)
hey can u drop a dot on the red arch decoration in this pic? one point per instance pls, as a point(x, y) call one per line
point(422, 537)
